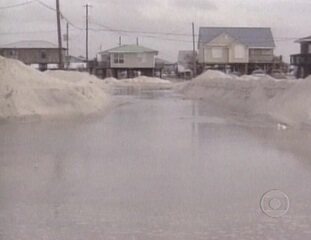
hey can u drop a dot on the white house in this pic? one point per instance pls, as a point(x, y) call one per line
point(130, 59)
point(237, 48)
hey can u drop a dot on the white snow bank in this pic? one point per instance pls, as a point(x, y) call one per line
point(26, 92)
point(78, 77)
point(286, 101)
point(141, 82)
point(146, 80)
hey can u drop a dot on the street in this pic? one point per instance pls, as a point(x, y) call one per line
point(155, 167)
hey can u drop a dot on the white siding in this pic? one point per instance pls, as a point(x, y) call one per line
point(135, 60)
point(223, 50)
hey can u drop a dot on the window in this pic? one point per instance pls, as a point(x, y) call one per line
point(217, 52)
point(118, 58)
point(239, 51)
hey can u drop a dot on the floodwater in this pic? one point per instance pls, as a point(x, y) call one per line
point(156, 167)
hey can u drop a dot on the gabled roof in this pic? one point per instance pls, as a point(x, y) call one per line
point(305, 39)
point(130, 49)
point(251, 37)
point(31, 44)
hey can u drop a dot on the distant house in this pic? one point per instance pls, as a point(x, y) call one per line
point(127, 61)
point(303, 60)
point(165, 68)
point(32, 52)
point(237, 49)
point(75, 63)
point(185, 63)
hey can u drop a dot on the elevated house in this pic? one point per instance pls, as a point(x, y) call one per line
point(40, 53)
point(126, 61)
point(236, 49)
point(303, 60)
point(185, 64)
point(75, 63)
point(165, 68)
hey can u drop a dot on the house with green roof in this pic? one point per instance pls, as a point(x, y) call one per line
point(129, 60)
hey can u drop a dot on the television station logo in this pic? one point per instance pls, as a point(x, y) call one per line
point(275, 204)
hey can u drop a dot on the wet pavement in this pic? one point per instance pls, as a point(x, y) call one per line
point(156, 167)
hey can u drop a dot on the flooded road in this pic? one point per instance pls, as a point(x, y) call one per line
point(156, 167)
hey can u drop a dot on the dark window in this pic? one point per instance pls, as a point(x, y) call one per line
point(118, 58)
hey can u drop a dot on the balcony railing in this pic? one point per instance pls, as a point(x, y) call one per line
point(300, 59)
point(261, 58)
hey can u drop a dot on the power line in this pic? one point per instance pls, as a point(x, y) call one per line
point(27, 32)
point(144, 34)
point(17, 5)
point(45, 5)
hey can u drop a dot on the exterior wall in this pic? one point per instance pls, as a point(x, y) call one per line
point(227, 51)
point(238, 53)
point(135, 60)
point(103, 60)
point(33, 56)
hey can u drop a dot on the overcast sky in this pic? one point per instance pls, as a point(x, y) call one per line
point(289, 19)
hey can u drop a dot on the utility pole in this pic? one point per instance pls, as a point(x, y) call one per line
point(59, 32)
point(67, 39)
point(87, 6)
point(194, 53)
point(120, 41)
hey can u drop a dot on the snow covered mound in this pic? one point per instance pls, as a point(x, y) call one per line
point(78, 77)
point(286, 101)
point(141, 82)
point(26, 92)
point(146, 80)
point(211, 74)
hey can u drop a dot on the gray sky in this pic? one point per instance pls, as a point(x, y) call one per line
point(289, 19)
